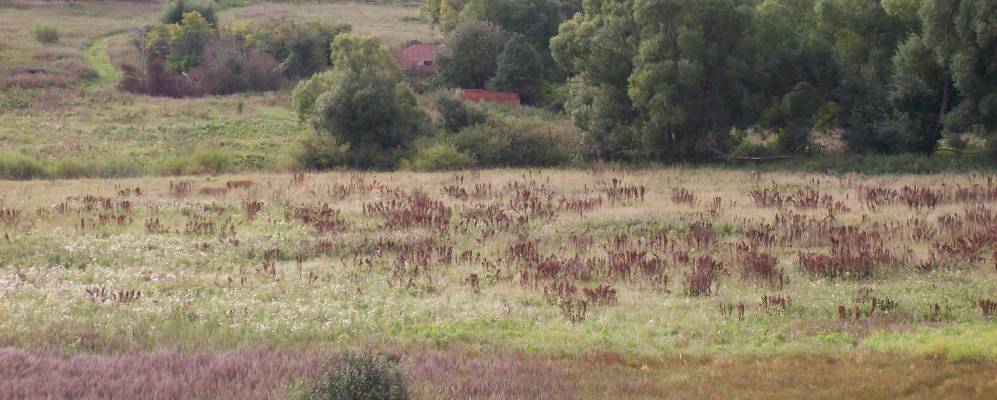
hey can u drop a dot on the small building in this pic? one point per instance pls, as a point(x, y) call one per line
point(509, 99)
point(416, 58)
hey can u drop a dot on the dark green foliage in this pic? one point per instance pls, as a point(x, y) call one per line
point(356, 377)
point(362, 101)
point(46, 34)
point(514, 141)
point(470, 57)
point(172, 12)
point(302, 49)
point(520, 67)
point(944, 79)
point(536, 20)
point(455, 113)
point(678, 74)
point(864, 36)
point(669, 79)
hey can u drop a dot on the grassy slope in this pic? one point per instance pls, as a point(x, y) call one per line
point(119, 134)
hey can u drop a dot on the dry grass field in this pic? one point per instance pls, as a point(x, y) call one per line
point(659, 282)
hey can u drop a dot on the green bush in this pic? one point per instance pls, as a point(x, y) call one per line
point(172, 12)
point(201, 162)
point(318, 152)
point(441, 157)
point(363, 101)
point(301, 48)
point(74, 168)
point(455, 113)
point(47, 34)
point(355, 377)
point(19, 166)
point(517, 142)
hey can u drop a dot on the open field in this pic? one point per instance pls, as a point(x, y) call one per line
point(660, 267)
point(73, 116)
point(202, 271)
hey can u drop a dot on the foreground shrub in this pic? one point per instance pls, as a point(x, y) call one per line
point(19, 166)
point(441, 157)
point(355, 377)
point(46, 34)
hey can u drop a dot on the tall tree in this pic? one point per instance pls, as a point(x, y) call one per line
point(598, 47)
point(685, 67)
point(945, 78)
point(362, 101)
point(520, 67)
point(865, 35)
point(470, 56)
point(537, 20)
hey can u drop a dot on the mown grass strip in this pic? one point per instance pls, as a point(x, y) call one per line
point(94, 53)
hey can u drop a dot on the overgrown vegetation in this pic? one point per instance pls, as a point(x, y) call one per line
point(191, 57)
point(355, 377)
point(46, 34)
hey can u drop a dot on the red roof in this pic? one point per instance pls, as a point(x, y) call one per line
point(511, 99)
point(417, 57)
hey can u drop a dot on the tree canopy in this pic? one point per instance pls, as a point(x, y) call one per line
point(362, 101)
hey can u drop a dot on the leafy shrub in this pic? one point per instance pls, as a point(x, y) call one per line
point(517, 141)
point(74, 168)
point(46, 34)
point(230, 67)
point(201, 162)
point(355, 377)
point(319, 152)
point(302, 49)
point(441, 157)
point(19, 166)
point(470, 56)
point(362, 101)
point(456, 114)
point(173, 12)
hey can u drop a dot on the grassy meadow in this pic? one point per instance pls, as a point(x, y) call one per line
point(74, 120)
point(178, 260)
point(626, 269)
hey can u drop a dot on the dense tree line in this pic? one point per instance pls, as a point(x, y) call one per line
point(672, 79)
point(668, 80)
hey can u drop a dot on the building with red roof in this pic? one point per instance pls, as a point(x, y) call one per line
point(417, 58)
